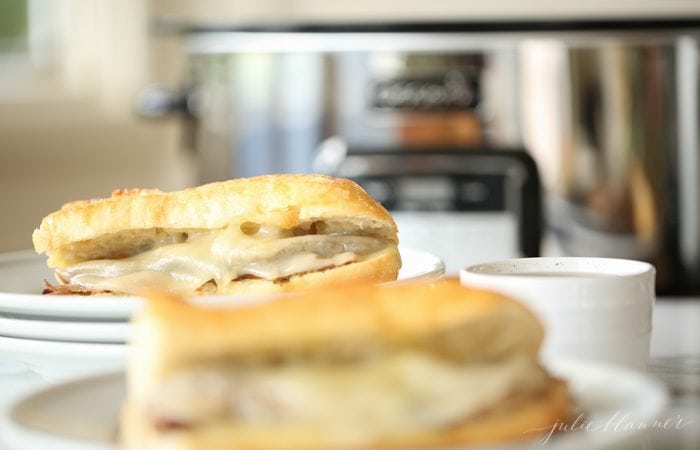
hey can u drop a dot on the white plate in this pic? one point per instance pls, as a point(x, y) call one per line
point(22, 275)
point(59, 360)
point(58, 417)
point(65, 330)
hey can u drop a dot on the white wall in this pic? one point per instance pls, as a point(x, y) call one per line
point(68, 129)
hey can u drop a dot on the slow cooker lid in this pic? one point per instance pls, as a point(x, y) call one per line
point(469, 26)
point(429, 16)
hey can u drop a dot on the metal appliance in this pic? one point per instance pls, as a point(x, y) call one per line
point(609, 110)
point(465, 206)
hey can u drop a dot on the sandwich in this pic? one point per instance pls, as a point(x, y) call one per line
point(407, 365)
point(266, 234)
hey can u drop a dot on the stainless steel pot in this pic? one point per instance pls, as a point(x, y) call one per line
point(609, 111)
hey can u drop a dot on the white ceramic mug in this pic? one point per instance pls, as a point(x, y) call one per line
point(595, 308)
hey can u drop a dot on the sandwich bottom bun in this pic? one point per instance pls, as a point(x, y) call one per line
point(379, 267)
point(517, 418)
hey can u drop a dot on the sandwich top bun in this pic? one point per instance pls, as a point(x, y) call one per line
point(132, 222)
point(92, 229)
point(351, 322)
point(402, 365)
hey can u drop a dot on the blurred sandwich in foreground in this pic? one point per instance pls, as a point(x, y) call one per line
point(273, 233)
point(398, 366)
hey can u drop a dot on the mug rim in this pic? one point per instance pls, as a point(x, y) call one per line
point(508, 268)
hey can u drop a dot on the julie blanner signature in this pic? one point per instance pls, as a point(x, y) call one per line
point(619, 422)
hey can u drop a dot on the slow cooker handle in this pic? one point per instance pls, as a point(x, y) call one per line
point(159, 102)
point(155, 102)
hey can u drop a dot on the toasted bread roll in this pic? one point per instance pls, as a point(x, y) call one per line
point(272, 233)
point(393, 366)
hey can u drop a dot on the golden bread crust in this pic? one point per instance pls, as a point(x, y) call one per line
point(441, 318)
point(524, 417)
point(278, 200)
point(346, 322)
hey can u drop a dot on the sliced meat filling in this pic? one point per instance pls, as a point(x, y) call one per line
point(406, 390)
point(221, 256)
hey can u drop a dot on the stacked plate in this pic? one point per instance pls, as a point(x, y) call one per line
point(59, 336)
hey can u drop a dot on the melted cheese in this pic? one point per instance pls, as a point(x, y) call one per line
point(221, 256)
point(403, 391)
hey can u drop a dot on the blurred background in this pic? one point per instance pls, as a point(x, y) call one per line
point(489, 130)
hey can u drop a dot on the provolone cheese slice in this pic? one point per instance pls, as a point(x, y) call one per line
point(222, 256)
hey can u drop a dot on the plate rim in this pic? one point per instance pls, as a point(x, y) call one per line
point(121, 307)
point(86, 350)
point(64, 330)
